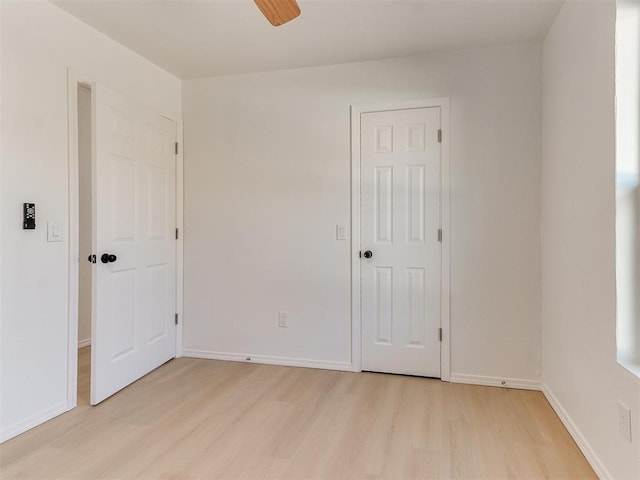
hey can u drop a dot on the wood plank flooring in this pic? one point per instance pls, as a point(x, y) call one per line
point(208, 419)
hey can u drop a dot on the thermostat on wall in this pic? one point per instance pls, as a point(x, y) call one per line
point(29, 216)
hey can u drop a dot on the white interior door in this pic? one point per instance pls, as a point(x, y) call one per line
point(134, 218)
point(400, 219)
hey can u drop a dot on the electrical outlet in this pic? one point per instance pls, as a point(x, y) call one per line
point(283, 318)
point(624, 421)
point(341, 232)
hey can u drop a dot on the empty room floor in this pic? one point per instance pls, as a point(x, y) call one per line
point(196, 418)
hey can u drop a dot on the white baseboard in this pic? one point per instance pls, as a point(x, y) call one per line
point(496, 381)
point(84, 343)
point(575, 432)
point(31, 422)
point(284, 361)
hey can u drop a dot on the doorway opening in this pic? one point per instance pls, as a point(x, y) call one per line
point(122, 241)
point(85, 270)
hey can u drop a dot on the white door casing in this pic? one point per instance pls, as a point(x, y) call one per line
point(400, 216)
point(134, 218)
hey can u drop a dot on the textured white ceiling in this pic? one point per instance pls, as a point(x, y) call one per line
point(202, 38)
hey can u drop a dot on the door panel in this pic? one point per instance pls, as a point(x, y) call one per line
point(416, 305)
point(384, 204)
point(400, 217)
point(134, 297)
point(384, 302)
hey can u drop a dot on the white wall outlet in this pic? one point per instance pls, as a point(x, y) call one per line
point(283, 319)
point(341, 232)
point(624, 421)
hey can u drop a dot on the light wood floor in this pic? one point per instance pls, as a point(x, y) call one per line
point(209, 419)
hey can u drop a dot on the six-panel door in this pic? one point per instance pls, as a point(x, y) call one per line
point(400, 218)
point(134, 218)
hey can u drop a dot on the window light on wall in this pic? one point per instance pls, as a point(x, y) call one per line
point(628, 183)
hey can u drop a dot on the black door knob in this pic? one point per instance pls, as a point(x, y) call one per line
point(368, 254)
point(108, 258)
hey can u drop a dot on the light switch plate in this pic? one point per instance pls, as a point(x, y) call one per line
point(54, 232)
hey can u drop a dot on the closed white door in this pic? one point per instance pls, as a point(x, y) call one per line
point(134, 219)
point(401, 251)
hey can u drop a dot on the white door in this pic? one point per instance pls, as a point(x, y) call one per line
point(134, 219)
point(400, 219)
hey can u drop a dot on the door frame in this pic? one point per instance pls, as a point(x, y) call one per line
point(445, 297)
point(75, 79)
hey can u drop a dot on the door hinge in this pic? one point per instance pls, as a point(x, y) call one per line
point(440, 334)
point(440, 235)
point(176, 318)
point(439, 136)
point(176, 148)
point(177, 233)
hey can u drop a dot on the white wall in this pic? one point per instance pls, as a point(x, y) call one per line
point(267, 178)
point(39, 42)
point(581, 375)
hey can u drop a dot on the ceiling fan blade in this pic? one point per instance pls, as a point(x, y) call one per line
point(278, 11)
